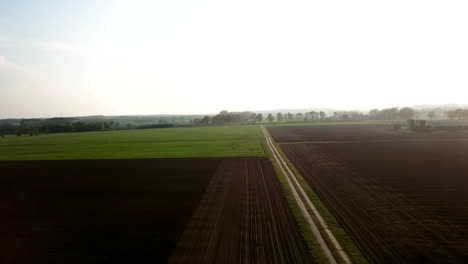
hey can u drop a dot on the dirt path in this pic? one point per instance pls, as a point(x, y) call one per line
point(307, 208)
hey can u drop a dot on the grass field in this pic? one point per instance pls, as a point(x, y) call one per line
point(198, 142)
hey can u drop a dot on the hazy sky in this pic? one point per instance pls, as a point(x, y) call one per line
point(62, 58)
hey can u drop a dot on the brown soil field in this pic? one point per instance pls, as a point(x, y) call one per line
point(242, 218)
point(97, 211)
point(401, 202)
point(355, 133)
point(144, 211)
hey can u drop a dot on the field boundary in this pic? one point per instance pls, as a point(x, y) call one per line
point(308, 209)
point(354, 252)
point(303, 226)
point(371, 141)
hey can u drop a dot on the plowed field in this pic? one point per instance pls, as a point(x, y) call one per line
point(338, 133)
point(136, 211)
point(401, 202)
point(97, 211)
point(242, 218)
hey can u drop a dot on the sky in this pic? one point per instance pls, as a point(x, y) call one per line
point(88, 57)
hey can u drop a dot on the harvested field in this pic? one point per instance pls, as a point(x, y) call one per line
point(339, 133)
point(243, 218)
point(401, 202)
point(97, 211)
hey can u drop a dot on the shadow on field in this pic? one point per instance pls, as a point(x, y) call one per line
point(97, 211)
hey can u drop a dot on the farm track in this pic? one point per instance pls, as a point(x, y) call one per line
point(308, 209)
point(242, 218)
point(400, 200)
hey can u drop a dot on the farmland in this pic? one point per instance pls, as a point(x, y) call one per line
point(144, 211)
point(242, 218)
point(97, 211)
point(400, 196)
point(197, 142)
point(352, 132)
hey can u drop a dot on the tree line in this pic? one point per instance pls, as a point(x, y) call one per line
point(460, 114)
point(247, 117)
point(101, 123)
point(409, 113)
point(63, 125)
point(394, 113)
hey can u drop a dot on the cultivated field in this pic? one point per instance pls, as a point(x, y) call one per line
point(135, 211)
point(242, 218)
point(337, 133)
point(197, 142)
point(401, 201)
point(97, 211)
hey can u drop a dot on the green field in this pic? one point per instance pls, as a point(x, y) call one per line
point(197, 142)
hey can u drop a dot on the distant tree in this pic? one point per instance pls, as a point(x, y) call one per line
point(299, 116)
point(459, 114)
point(431, 115)
point(279, 117)
point(322, 114)
point(270, 118)
point(389, 114)
point(406, 113)
point(223, 112)
point(451, 115)
point(313, 115)
point(355, 115)
point(345, 116)
point(259, 118)
point(374, 114)
point(205, 120)
point(290, 116)
point(253, 116)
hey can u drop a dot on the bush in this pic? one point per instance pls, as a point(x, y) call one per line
point(396, 127)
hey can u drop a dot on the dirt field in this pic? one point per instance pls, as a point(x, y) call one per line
point(135, 211)
point(97, 211)
point(242, 218)
point(355, 133)
point(402, 202)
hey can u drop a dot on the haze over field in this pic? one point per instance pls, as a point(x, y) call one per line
point(70, 58)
